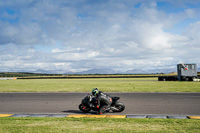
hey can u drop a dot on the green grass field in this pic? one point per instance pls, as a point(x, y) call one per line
point(29, 125)
point(98, 125)
point(104, 84)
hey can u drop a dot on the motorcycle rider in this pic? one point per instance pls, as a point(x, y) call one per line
point(103, 101)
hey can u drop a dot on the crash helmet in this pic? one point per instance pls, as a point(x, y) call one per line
point(95, 91)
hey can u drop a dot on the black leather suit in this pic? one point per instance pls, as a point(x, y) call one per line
point(104, 102)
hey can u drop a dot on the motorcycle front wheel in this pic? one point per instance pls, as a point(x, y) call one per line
point(120, 107)
point(84, 109)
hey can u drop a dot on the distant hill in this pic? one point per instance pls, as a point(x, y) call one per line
point(90, 71)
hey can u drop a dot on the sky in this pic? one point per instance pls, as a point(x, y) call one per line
point(117, 36)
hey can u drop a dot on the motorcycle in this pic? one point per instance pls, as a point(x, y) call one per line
point(89, 103)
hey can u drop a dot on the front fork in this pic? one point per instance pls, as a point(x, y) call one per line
point(114, 109)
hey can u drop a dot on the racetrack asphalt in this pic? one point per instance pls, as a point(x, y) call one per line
point(67, 103)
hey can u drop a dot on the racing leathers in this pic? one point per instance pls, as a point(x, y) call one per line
point(104, 102)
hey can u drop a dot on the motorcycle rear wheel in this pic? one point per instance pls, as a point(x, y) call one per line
point(84, 108)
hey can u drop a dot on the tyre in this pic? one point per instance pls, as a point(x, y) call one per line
point(84, 108)
point(119, 106)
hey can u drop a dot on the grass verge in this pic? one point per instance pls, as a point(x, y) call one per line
point(97, 125)
point(105, 84)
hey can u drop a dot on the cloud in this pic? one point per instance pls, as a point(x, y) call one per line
point(64, 36)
